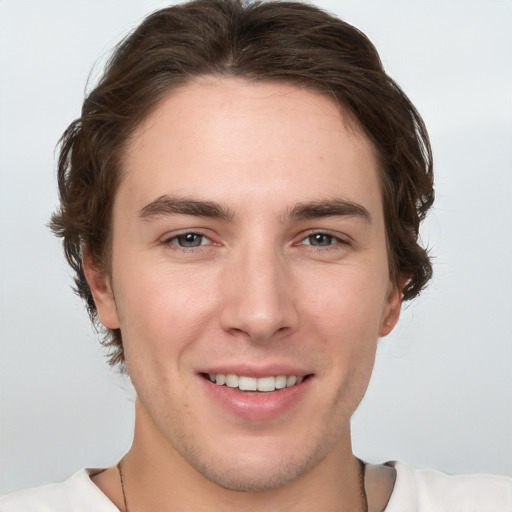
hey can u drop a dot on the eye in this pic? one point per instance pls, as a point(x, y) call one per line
point(321, 240)
point(189, 240)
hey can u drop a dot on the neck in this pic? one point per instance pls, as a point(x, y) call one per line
point(156, 477)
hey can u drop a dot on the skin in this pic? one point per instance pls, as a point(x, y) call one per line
point(267, 285)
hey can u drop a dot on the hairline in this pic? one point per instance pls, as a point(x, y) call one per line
point(350, 122)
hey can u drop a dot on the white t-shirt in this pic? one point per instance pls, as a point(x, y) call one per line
point(415, 491)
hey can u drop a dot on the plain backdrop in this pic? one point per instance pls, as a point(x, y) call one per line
point(441, 394)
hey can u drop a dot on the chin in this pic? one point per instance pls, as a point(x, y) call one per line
point(263, 468)
point(254, 476)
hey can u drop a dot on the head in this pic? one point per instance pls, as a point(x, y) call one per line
point(276, 41)
point(275, 116)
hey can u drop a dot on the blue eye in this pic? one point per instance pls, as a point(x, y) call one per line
point(189, 240)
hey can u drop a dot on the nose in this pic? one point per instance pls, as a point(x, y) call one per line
point(258, 295)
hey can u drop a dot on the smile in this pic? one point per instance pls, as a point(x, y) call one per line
point(264, 384)
point(256, 397)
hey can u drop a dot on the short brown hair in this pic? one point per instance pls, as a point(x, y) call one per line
point(286, 41)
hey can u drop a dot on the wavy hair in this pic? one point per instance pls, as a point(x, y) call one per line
point(284, 41)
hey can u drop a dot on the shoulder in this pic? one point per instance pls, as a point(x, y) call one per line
point(432, 491)
point(76, 494)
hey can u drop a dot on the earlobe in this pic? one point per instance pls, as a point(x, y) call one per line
point(391, 312)
point(101, 290)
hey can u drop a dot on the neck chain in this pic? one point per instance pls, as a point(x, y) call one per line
point(362, 471)
point(122, 485)
point(362, 488)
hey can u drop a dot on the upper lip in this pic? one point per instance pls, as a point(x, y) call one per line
point(267, 370)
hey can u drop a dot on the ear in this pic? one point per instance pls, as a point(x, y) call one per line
point(392, 307)
point(101, 290)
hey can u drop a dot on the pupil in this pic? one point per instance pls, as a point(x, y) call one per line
point(321, 240)
point(190, 240)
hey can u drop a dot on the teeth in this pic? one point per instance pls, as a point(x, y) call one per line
point(247, 383)
point(281, 381)
point(264, 384)
point(291, 381)
point(232, 381)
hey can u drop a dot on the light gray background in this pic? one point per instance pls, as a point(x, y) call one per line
point(441, 395)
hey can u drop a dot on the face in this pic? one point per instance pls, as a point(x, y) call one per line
point(249, 278)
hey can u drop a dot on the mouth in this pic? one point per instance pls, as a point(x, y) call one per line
point(255, 384)
point(257, 398)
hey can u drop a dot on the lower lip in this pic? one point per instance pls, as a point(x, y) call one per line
point(256, 406)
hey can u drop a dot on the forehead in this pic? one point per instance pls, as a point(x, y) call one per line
point(246, 142)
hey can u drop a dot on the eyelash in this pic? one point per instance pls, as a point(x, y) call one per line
point(333, 241)
point(175, 239)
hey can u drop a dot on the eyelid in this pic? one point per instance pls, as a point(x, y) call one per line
point(168, 238)
point(339, 237)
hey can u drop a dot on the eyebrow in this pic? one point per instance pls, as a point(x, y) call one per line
point(329, 208)
point(166, 205)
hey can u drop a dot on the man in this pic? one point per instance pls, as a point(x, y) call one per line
point(240, 201)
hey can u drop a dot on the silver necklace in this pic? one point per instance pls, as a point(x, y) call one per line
point(362, 471)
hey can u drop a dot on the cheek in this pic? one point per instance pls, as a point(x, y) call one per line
point(348, 301)
point(161, 311)
point(346, 325)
